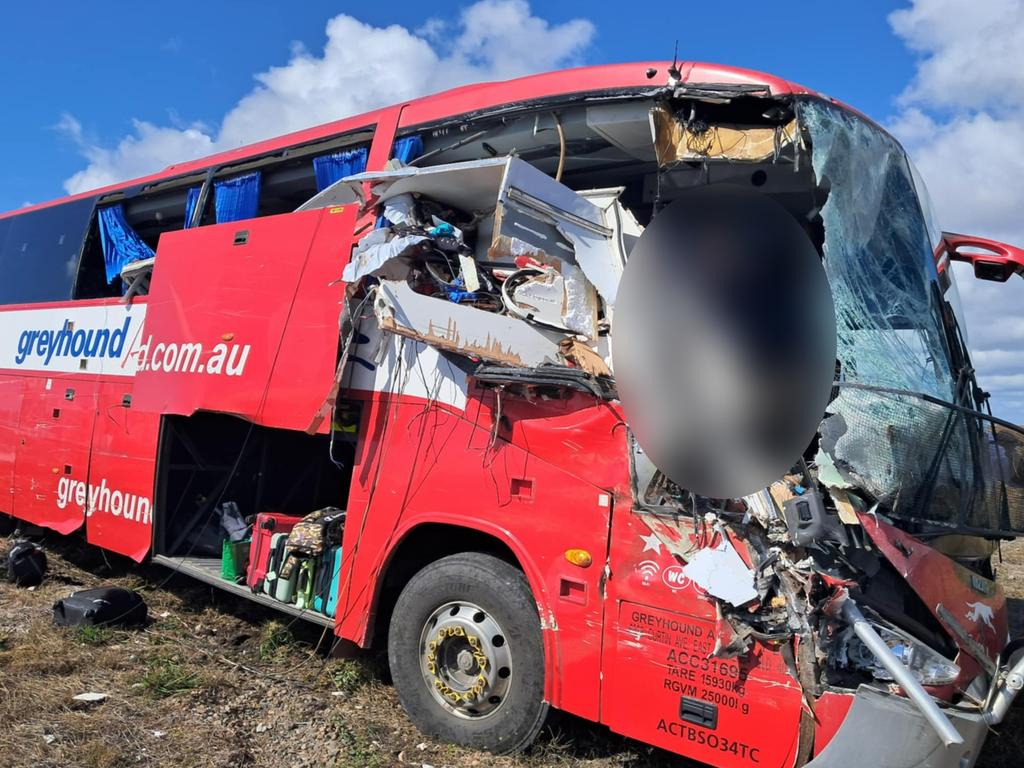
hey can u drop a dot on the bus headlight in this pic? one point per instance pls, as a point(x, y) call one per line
point(929, 666)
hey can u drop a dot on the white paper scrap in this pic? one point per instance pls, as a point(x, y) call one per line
point(721, 572)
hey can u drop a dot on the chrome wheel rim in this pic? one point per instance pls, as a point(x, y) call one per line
point(465, 660)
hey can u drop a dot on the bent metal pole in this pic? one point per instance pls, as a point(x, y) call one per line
point(915, 692)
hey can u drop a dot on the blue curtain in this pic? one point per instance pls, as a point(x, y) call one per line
point(121, 244)
point(336, 166)
point(238, 198)
point(190, 205)
point(407, 149)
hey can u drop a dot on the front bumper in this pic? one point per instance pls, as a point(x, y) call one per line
point(887, 731)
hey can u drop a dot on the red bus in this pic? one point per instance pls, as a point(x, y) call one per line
point(407, 315)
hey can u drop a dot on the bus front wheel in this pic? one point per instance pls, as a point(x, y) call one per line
point(467, 655)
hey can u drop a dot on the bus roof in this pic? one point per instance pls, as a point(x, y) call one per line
point(462, 100)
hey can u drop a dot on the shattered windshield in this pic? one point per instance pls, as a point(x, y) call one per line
point(902, 426)
point(878, 257)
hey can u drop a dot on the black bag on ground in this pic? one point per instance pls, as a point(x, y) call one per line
point(26, 564)
point(105, 606)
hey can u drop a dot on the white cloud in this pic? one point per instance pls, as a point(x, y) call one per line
point(961, 119)
point(361, 67)
point(971, 52)
point(149, 148)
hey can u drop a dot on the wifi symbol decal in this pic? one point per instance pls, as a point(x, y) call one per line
point(648, 571)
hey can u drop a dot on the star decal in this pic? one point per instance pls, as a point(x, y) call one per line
point(651, 543)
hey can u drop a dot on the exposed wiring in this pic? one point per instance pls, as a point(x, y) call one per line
point(561, 146)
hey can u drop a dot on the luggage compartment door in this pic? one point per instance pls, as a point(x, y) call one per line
point(52, 478)
point(120, 516)
point(220, 300)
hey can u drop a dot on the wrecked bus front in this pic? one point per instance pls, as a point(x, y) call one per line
point(867, 569)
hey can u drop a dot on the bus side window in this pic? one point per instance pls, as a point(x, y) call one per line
point(280, 185)
point(39, 252)
point(147, 216)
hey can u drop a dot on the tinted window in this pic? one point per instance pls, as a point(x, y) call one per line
point(39, 252)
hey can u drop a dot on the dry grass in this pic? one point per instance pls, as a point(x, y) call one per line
point(216, 681)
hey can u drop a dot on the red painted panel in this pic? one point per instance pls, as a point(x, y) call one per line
point(421, 463)
point(11, 389)
point(217, 312)
point(659, 655)
point(120, 487)
point(491, 95)
point(830, 710)
point(306, 362)
point(584, 436)
point(662, 657)
point(57, 417)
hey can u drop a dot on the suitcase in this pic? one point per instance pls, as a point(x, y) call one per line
point(307, 578)
point(263, 530)
point(106, 606)
point(274, 584)
point(326, 598)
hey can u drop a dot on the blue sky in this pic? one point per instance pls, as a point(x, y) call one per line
point(176, 68)
point(94, 97)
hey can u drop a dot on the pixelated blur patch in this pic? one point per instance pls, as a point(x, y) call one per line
point(724, 341)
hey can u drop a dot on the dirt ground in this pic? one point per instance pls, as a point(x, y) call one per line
point(218, 681)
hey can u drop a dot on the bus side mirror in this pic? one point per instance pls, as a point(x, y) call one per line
point(991, 259)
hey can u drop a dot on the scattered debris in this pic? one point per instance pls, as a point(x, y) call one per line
point(491, 260)
point(694, 138)
point(90, 698)
point(721, 572)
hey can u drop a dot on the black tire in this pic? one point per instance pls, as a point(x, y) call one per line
point(502, 592)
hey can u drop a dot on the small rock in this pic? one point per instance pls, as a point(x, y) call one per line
point(49, 738)
point(158, 734)
point(421, 746)
point(91, 698)
point(262, 727)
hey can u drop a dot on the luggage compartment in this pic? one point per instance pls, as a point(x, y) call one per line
point(208, 459)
